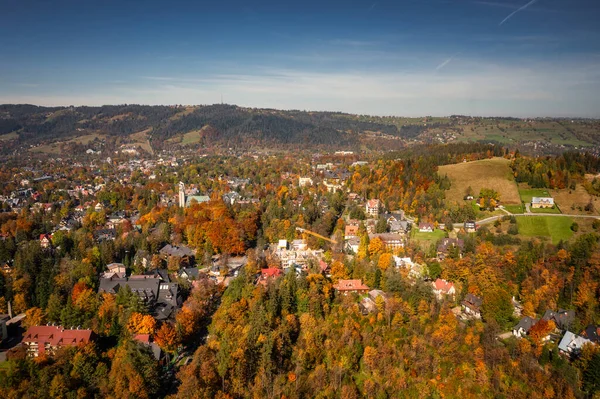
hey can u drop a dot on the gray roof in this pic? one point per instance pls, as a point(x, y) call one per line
point(189, 272)
point(563, 318)
point(473, 300)
point(526, 323)
point(172, 250)
point(572, 343)
point(150, 289)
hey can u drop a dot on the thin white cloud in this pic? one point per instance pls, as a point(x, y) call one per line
point(569, 88)
point(443, 64)
point(516, 11)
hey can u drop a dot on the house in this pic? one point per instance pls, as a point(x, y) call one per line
point(592, 333)
point(471, 306)
point(155, 292)
point(231, 197)
point(470, 226)
point(182, 252)
point(563, 318)
point(350, 286)
point(522, 329)
point(352, 245)
point(269, 274)
point(542, 202)
point(40, 340)
point(45, 240)
point(114, 269)
point(189, 273)
point(571, 344)
point(426, 227)
point(391, 241)
point(351, 231)
point(372, 207)
point(448, 246)
point(146, 340)
point(443, 288)
point(104, 235)
point(369, 303)
point(99, 207)
point(305, 181)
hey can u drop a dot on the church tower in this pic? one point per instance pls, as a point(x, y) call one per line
point(181, 195)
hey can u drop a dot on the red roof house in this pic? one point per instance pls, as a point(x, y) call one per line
point(345, 286)
point(47, 339)
point(442, 288)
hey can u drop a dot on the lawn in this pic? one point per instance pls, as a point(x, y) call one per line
point(514, 208)
point(487, 173)
point(554, 210)
point(528, 193)
point(427, 238)
point(556, 227)
point(575, 201)
point(9, 136)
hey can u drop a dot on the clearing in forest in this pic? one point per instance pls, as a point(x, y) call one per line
point(492, 173)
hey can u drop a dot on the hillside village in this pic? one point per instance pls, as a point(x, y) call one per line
point(158, 251)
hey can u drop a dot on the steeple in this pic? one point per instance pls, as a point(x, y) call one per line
point(181, 195)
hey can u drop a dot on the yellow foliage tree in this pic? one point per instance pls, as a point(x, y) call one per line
point(141, 324)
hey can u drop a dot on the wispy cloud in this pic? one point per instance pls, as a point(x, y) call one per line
point(443, 64)
point(516, 11)
point(372, 7)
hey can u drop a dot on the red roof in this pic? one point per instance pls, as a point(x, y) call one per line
point(373, 203)
point(322, 265)
point(443, 285)
point(350, 285)
point(270, 272)
point(143, 338)
point(56, 336)
point(47, 236)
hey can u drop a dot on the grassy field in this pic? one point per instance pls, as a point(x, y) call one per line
point(575, 201)
point(9, 136)
point(554, 210)
point(488, 173)
point(86, 139)
point(527, 193)
point(426, 239)
point(192, 137)
point(141, 140)
point(514, 208)
point(557, 228)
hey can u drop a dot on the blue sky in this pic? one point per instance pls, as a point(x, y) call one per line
point(403, 57)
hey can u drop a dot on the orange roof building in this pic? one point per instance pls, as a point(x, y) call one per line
point(47, 339)
point(345, 286)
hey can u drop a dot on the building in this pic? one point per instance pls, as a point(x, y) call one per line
point(162, 296)
point(471, 306)
point(571, 344)
point(45, 240)
point(450, 246)
point(443, 288)
point(40, 340)
point(426, 227)
point(563, 318)
point(269, 274)
point(542, 202)
point(350, 231)
point(115, 269)
point(522, 329)
point(372, 207)
point(470, 226)
point(391, 241)
point(351, 286)
point(592, 333)
point(305, 181)
point(185, 201)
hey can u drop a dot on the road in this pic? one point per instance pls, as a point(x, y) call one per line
point(494, 218)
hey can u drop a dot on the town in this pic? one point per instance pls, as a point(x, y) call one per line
point(188, 257)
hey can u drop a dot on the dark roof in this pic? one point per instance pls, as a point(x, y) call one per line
point(180, 251)
point(151, 289)
point(473, 300)
point(563, 318)
point(592, 333)
point(445, 243)
point(526, 323)
point(190, 272)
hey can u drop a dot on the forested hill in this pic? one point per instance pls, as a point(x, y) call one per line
point(159, 127)
point(207, 125)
